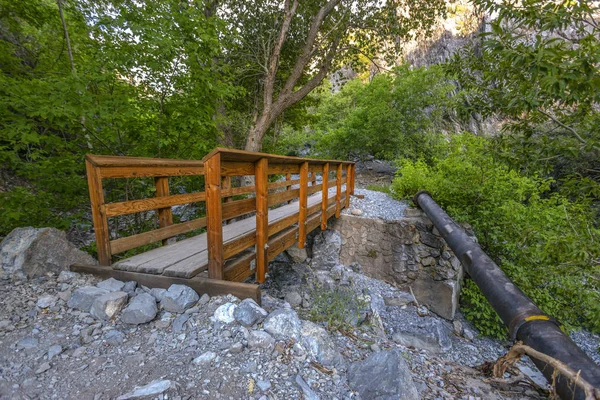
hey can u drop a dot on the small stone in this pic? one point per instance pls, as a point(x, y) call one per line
point(43, 368)
point(402, 299)
point(28, 343)
point(112, 285)
point(225, 312)
point(249, 313)
point(140, 310)
point(193, 310)
point(468, 334)
point(375, 348)
point(107, 306)
point(458, 327)
point(263, 385)
point(150, 390)
point(283, 323)
point(179, 323)
point(79, 352)
point(46, 301)
point(356, 212)
point(129, 287)
point(114, 337)
point(204, 299)
point(6, 325)
point(293, 298)
point(64, 296)
point(308, 393)
point(236, 348)
point(158, 293)
point(205, 359)
point(83, 298)
point(179, 298)
point(66, 276)
point(54, 350)
point(260, 340)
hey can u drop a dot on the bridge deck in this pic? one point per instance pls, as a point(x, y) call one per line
point(189, 257)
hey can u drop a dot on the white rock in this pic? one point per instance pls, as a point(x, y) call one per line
point(46, 301)
point(225, 313)
point(205, 359)
point(152, 389)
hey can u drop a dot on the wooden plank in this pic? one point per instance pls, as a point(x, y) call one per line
point(212, 287)
point(348, 175)
point(283, 169)
point(281, 197)
point(313, 178)
point(124, 161)
point(238, 207)
point(315, 167)
point(136, 206)
point(214, 214)
point(287, 183)
point(331, 184)
point(241, 243)
point(315, 188)
point(149, 172)
point(189, 267)
point(243, 265)
point(338, 192)
point(282, 241)
point(131, 242)
point(165, 215)
point(288, 177)
point(236, 191)
point(236, 168)
point(261, 175)
point(99, 218)
point(303, 198)
point(249, 156)
point(324, 185)
point(353, 179)
point(281, 224)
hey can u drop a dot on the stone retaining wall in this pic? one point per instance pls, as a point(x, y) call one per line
point(406, 253)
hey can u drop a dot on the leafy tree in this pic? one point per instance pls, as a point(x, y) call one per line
point(284, 51)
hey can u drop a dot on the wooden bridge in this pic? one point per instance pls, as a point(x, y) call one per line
point(241, 236)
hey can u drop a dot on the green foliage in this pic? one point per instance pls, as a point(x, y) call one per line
point(339, 308)
point(379, 188)
point(545, 243)
point(392, 116)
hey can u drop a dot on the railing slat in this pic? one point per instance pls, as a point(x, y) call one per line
point(155, 203)
point(261, 177)
point(303, 203)
point(214, 221)
point(324, 195)
point(165, 215)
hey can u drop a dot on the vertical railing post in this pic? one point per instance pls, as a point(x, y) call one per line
point(303, 204)
point(226, 185)
point(338, 193)
point(348, 179)
point(288, 177)
point(98, 215)
point(353, 178)
point(165, 215)
point(313, 178)
point(214, 216)
point(261, 175)
point(324, 196)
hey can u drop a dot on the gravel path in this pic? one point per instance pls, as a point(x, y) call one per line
point(376, 205)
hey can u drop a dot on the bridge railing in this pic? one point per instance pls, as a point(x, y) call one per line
point(217, 170)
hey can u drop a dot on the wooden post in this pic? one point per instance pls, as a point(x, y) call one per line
point(348, 175)
point(261, 175)
point(338, 193)
point(324, 196)
point(313, 178)
point(226, 184)
point(214, 216)
point(165, 215)
point(303, 205)
point(98, 215)
point(288, 177)
point(353, 177)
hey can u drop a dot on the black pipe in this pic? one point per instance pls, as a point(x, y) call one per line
point(525, 321)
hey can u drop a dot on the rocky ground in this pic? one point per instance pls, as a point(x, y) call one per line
point(323, 330)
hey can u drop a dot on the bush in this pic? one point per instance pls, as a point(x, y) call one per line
point(546, 244)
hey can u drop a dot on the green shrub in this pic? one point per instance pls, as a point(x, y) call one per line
point(545, 243)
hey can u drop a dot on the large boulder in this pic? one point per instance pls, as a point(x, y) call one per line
point(319, 345)
point(383, 375)
point(83, 298)
point(326, 250)
point(30, 252)
point(179, 298)
point(283, 324)
point(140, 310)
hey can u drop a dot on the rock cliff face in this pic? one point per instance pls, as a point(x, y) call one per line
point(406, 253)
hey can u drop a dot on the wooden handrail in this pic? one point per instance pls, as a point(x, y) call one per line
point(217, 168)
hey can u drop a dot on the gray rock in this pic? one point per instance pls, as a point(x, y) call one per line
point(296, 254)
point(319, 345)
point(179, 323)
point(114, 337)
point(260, 340)
point(356, 212)
point(54, 350)
point(236, 348)
point(31, 252)
point(324, 280)
point(442, 297)
point(458, 327)
point(83, 298)
point(308, 393)
point(112, 285)
point(204, 299)
point(67, 276)
point(401, 299)
point(283, 323)
point(431, 240)
point(28, 343)
point(157, 293)
point(225, 313)
point(140, 310)
point(154, 388)
point(382, 375)
point(249, 313)
point(432, 336)
point(293, 298)
point(108, 305)
point(179, 298)
point(326, 249)
point(205, 359)
point(79, 352)
point(263, 385)
point(129, 287)
point(43, 368)
point(46, 301)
